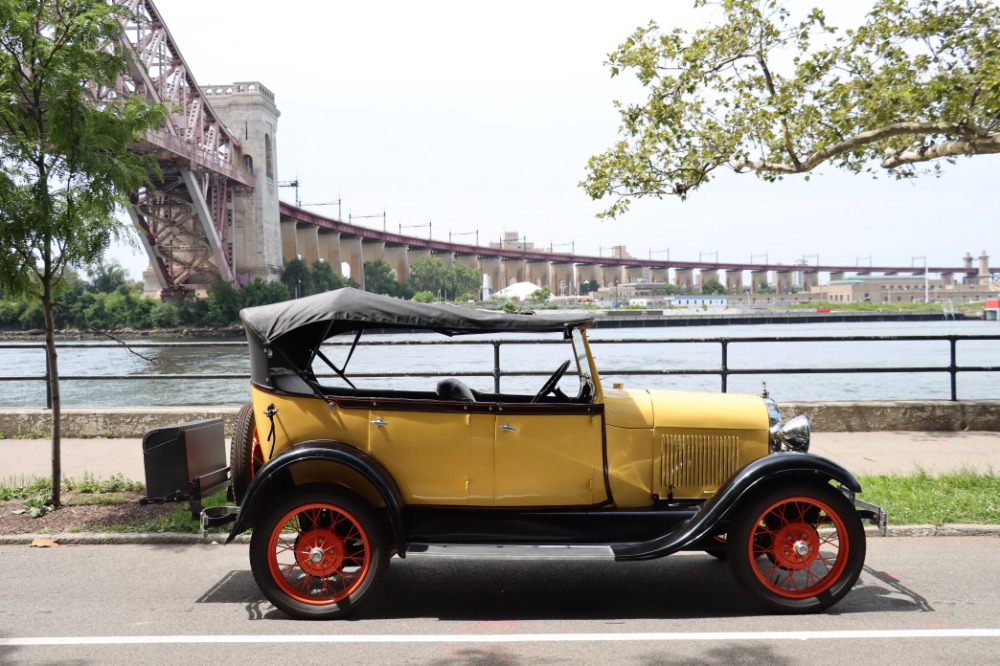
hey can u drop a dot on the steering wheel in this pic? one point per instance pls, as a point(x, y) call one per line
point(551, 382)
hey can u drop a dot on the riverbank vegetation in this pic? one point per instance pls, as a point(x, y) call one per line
point(103, 298)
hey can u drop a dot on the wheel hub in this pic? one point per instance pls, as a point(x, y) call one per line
point(796, 546)
point(320, 553)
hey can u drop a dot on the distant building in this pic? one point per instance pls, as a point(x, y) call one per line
point(891, 289)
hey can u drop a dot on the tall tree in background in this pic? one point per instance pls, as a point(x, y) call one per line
point(765, 93)
point(65, 163)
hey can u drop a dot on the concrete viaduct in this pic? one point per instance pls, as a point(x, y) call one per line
point(313, 237)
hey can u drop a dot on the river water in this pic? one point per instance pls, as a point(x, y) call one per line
point(88, 359)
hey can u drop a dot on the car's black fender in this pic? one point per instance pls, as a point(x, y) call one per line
point(776, 468)
point(272, 477)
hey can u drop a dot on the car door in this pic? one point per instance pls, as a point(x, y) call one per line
point(547, 455)
point(426, 449)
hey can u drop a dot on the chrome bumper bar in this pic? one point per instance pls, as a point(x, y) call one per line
point(873, 513)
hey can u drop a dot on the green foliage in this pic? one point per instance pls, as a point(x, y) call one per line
point(588, 286)
point(423, 297)
point(760, 90)
point(380, 278)
point(540, 295)
point(105, 277)
point(224, 304)
point(449, 282)
point(259, 292)
point(298, 278)
point(713, 287)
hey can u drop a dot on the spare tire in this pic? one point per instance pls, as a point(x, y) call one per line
point(245, 454)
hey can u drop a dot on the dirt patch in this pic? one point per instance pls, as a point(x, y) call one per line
point(73, 516)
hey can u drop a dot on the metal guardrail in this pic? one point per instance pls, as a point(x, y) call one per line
point(724, 371)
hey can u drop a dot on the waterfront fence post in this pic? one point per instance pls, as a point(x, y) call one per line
point(725, 365)
point(496, 367)
point(953, 368)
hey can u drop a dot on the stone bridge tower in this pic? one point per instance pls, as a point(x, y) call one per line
point(254, 246)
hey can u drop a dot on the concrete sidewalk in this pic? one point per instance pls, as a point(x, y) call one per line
point(860, 452)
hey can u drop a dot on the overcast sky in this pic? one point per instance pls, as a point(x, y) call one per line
point(481, 116)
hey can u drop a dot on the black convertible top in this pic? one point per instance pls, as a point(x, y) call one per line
point(307, 322)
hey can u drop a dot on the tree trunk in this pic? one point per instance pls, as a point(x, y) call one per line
point(53, 379)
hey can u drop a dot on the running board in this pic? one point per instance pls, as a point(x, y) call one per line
point(509, 552)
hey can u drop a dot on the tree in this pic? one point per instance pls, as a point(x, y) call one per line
point(429, 274)
point(298, 278)
point(760, 92)
point(380, 278)
point(541, 295)
point(464, 281)
point(106, 277)
point(712, 287)
point(65, 163)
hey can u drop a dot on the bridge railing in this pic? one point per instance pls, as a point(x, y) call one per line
point(724, 369)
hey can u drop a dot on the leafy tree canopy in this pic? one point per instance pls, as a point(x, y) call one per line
point(762, 91)
point(65, 159)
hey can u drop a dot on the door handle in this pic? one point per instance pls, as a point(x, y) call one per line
point(507, 428)
point(379, 423)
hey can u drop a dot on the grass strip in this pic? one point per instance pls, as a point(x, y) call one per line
point(964, 496)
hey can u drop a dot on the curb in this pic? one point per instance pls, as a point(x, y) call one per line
point(216, 539)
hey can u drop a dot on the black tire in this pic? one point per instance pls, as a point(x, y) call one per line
point(245, 454)
point(797, 549)
point(320, 553)
point(716, 547)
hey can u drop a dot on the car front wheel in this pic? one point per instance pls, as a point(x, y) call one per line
point(320, 553)
point(797, 549)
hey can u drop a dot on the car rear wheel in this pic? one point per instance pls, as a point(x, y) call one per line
point(797, 549)
point(245, 454)
point(320, 553)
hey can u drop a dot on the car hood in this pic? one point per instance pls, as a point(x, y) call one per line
point(640, 408)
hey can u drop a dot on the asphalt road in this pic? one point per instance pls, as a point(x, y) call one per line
point(920, 601)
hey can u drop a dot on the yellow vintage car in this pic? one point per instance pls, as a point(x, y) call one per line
point(334, 479)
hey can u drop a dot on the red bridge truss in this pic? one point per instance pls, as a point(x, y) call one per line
point(185, 217)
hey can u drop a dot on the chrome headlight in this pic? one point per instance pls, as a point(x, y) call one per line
point(795, 434)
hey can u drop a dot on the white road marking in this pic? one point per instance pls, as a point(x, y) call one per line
point(509, 638)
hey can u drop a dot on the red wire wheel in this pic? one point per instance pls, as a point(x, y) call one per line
point(319, 553)
point(798, 549)
point(246, 456)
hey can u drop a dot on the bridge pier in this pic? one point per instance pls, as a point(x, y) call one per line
point(734, 282)
point(757, 279)
point(561, 279)
point(289, 240)
point(659, 275)
point(537, 272)
point(329, 248)
point(704, 275)
point(512, 270)
point(397, 257)
point(307, 243)
point(587, 273)
point(683, 279)
point(352, 252)
point(783, 282)
point(490, 268)
point(632, 273)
